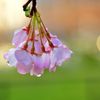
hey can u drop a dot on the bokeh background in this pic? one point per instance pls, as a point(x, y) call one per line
point(77, 25)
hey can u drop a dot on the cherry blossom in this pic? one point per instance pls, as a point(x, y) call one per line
point(36, 49)
point(58, 55)
point(19, 36)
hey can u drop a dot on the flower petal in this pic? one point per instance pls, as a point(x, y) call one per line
point(46, 59)
point(38, 47)
point(22, 56)
point(11, 57)
point(66, 53)
point(36, 71)
point(56, 42)
point(19, 36)
point(53, 60)
point(23, 69)
point(38, 62)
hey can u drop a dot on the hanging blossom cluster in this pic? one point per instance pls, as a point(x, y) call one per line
point(36, 50)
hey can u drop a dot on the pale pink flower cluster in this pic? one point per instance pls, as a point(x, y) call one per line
point(36, 55)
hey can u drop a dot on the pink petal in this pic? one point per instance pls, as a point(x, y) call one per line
point(61, 53)
point(38, 47)
point(29, 46)
point(52, 69)
point(23, 69)
point(23, 43)
point(47, 47)
point(6, 56)
point(38, 62)
point(22, 56)
point(11, 57)
point(19, 36)
point(56, 42)
point(53, 36)
point(36, 71)
point(53, 60)
point(66, 53)
point(46, 59)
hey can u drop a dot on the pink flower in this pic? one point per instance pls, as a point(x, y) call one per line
point(37, 45)
point(39, 64)
point(55, 41)
point(24, 63)
point(46, 60)
point(42, 61)
point(36, 71)
point(19, 36)
point(11, 57)
point(35, 64)
point(19, 58)
point(58, 55)
point(23, 56)
point(36, 50)
point(22, 68)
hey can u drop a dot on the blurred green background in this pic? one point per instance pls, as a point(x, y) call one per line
point(77, 25)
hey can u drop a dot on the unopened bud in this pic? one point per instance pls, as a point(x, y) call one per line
point(51, 45)
point(32, 50)
point(48, 35)
point(31, 39)
point(25, 46)
point(43, 48)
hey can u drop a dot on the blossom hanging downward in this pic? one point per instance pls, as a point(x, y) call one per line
point(36, 50)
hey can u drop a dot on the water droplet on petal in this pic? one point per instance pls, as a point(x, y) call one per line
point(38, 75)
point(8, 63)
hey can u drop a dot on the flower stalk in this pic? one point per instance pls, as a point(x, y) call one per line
point(33, 31)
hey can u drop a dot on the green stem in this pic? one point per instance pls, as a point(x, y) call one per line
point(47, 33)
point(26, 44)
point(38, 24)
point(50, 43)
point(34, 26)
point(29, 25)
